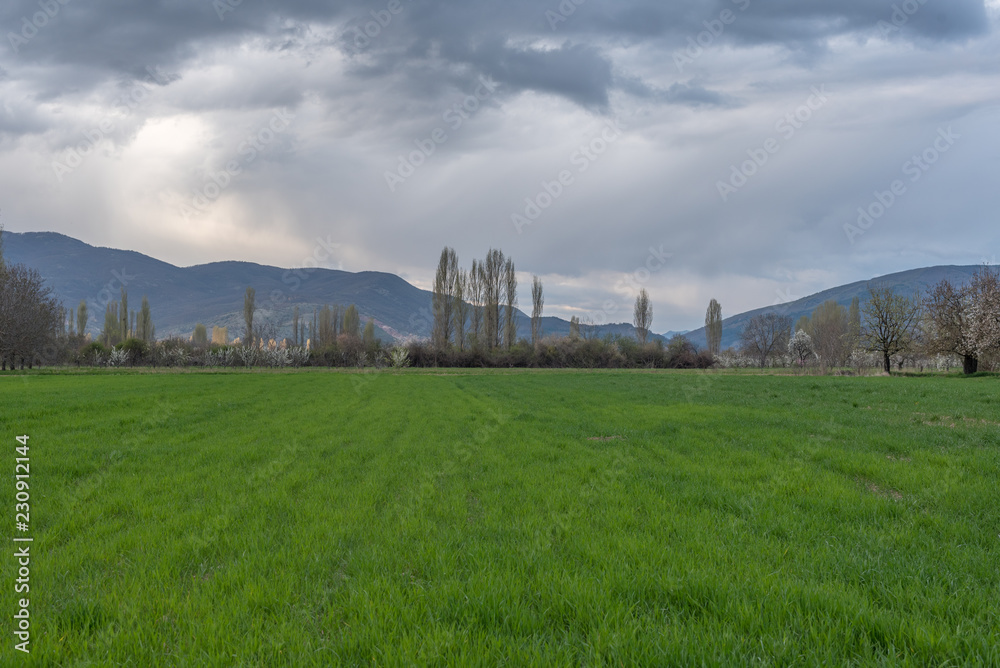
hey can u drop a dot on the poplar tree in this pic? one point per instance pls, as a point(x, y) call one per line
point(81, 318)
point(642, 315)
point(249, 308)
point(713, 327)
point(537, 302)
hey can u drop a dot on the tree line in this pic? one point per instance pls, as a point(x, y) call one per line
point(961, 321)
point(477, 308)
point(475, 323)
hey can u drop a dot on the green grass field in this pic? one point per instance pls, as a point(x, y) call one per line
point(514, 518)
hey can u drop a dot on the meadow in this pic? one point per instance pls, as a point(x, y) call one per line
point(425, 517)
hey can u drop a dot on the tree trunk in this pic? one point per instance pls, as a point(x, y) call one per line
point(969, 364)
point(886, 363)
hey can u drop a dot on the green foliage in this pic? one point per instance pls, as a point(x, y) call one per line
point(137, 349)
point(352, 322)
point(200, 335)
point(516, 518)
point(368, 338)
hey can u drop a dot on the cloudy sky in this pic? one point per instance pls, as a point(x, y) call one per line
point(698, 148)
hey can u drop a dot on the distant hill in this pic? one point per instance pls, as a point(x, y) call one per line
point(905, 282)
point(212, 294)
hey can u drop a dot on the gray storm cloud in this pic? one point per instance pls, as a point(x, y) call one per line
point(151, 101)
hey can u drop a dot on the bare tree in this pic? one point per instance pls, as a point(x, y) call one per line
point(713, 327)
point(475, 299)
point(249, 309)
point(510, 304)
point(443, 297)
point(889, 323)
point(460, 309)
point(493, 267)
point(642, 315)
point(537, 302)
point(29, 315)
point(574, 327)
point(829, 331)
point(765, 335)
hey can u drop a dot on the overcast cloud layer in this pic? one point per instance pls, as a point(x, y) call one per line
point(725, 145)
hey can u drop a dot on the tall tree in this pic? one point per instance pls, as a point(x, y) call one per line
point(765, 335)
point(81, 318)
point(475, 299)
point(443, 297)
point(352, 322)
point(200, 335)
point(493, 270)
point(295, 326)
point(642, 315)
point(574, 327)
point(713, 327)
point(889, 323)
point(460, 309)
point(144, 328)
point(123, 328)
point(111, 333)
point(368, 336)
point(249, 309)
point(327, 334)
point(537, 303)
point(510, 304)
point(829, 332)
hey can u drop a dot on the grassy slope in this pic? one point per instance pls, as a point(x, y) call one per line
point(549, 518)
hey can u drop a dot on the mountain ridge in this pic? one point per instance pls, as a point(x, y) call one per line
point(212, 293)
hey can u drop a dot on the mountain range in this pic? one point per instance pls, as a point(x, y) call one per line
point(212, 294)
point(909, 283)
